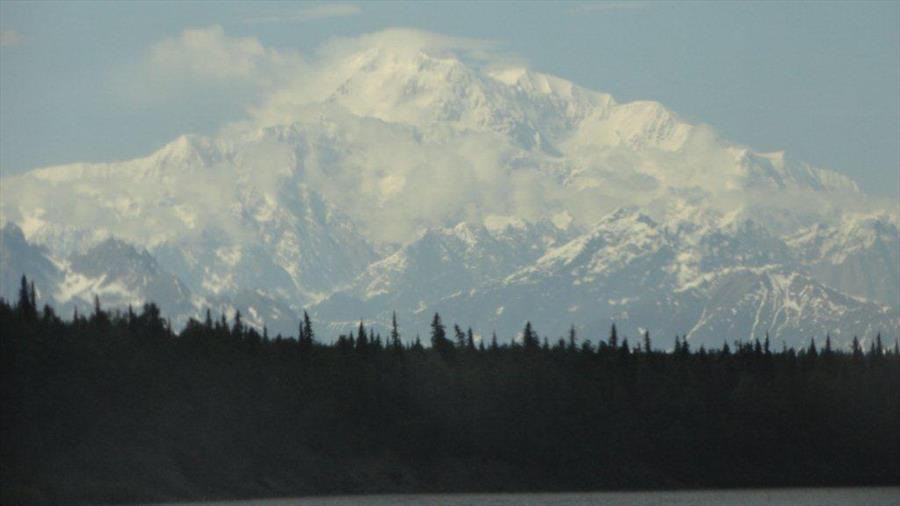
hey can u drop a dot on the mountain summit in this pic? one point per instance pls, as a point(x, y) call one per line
point(416, 179)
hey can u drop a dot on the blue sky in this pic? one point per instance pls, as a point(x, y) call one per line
point(820, 80)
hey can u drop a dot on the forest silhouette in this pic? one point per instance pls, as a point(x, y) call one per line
point(117, 407)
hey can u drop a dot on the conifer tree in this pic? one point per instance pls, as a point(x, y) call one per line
point(99, 318)
point(530, 339)
point(25, 305)
point(395, 332)
point(587, 347)
point(24, 299)
point(375, 342)
point(439, 340)
point(648, 348)
point(613, 337)
point(460, 337)
point(685, 347)
point(857, 349)
point(238, 329)
point(32, 296)
point(362, 340)
point(307, 326)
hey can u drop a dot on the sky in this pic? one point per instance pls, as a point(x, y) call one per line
point(79, 80)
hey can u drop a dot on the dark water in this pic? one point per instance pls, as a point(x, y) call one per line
point(775, 497)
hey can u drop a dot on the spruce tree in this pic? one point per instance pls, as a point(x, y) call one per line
point(32, 296)
point(395, 332)
point(362, 340)
point(460, 337)
point(24, 299)
point(305, 335)
point(238, 329)
point(25, 305)
point(530, 339)
point(439, 340)
point(857, 349)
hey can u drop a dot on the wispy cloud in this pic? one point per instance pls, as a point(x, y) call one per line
point(9, 38)
point(608, 6)
point(206, 60)
point(311, 13)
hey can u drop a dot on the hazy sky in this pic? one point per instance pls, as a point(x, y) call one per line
point(819, 80)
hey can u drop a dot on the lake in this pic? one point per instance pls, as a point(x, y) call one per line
point(762, 497)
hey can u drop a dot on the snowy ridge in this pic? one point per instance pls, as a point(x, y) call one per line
point(415, 179)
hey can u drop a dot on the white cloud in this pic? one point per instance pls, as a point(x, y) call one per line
point(9, 38)
point(341, 58)
point(275, 80)
point(209, 53)
point(207, 61)
point(312, 13)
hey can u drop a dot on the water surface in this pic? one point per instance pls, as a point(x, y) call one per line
point(762, 497)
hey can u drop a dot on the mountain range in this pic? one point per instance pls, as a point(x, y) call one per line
point(420, 182)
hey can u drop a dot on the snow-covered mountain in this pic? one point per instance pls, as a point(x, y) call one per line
point(414, 180)
point(18, 257)
point(644, 275)
point(859, 255)
point(439, 262)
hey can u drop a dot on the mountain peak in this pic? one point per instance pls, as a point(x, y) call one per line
point(630, 215)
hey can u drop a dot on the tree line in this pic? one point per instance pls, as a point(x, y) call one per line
point(117, 407)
